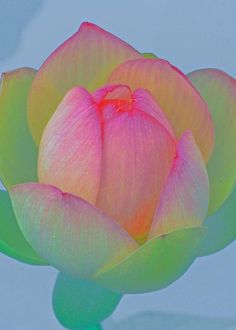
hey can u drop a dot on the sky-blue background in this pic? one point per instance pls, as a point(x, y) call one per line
point(190, 34)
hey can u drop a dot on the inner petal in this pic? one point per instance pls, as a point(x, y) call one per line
point(70, 149)
point(136, 157)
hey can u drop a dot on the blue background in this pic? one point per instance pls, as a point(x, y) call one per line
point(191, 35)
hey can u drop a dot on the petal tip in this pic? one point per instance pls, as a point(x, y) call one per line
point(88, 25)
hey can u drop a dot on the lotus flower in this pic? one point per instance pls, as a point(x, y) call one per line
point(121, 170)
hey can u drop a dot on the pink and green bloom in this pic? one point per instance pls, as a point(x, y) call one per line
point(119, 170)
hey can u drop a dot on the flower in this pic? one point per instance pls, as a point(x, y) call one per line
point(120, 168)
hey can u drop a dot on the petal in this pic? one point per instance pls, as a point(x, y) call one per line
point(171, 89)
point(79, 304)
point(143, 100)
point(70, 149)
point(18, 153)
point(71, 234)
point(221, 227)
point(155, 265)
point(112, 92)
point(184, 200)
point(12, 241)
point(149, 55)
point(140, 99)
point(86, 59)
point(137, 155)
point(219, 91)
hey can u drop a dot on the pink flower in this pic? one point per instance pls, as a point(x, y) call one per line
point(125, 147)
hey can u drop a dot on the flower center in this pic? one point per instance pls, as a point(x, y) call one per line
point(113, 100)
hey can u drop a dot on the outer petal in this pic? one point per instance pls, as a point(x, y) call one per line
point(18, 153)
point(71, 234)
point(221, 227)
point(70, 149)
point(12, 241)
point(86, 59)
point(219, 91)
point(184, 200)
point(137, 155)
point(155, 265)
point(171, 89)
point(149, 55)
point(79, 304)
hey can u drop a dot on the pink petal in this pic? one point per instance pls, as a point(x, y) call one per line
point(143, 100)
point(86, 59)
point(140, 99)
point(71, 234)
point(137, 155)
point(184, 200)
point(70, 150)
point(182, 104)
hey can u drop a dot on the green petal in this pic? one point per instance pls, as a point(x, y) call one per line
point(221, 227)
point(149, 55)
point(18, 153)
point(80, 304)
point(219, 91)
point(71, 234)
point(12, 241)
point(155, 265)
